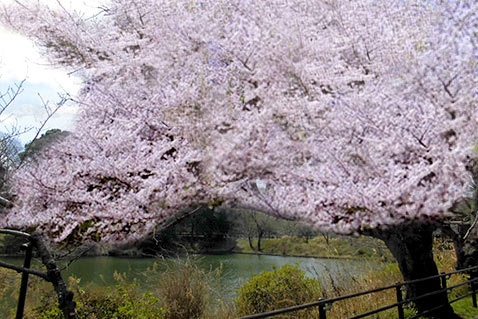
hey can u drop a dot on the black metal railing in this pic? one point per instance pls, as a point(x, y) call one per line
point(324, 304)
point(28, 247)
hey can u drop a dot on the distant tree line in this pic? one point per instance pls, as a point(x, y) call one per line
point(210, 229)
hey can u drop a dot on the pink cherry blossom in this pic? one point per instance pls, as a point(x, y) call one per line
point(348, 115)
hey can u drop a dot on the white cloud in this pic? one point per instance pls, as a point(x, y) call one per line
point(21, 59)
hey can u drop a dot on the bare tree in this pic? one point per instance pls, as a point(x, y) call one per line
point(10, 147)
point(255, 225)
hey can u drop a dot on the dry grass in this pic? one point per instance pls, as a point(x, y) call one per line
point(188, 292)
point(371, 278)
point(350, 283)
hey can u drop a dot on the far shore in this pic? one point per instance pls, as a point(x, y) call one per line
point(214, 253)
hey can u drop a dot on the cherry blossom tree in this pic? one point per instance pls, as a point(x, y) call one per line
point(10, 162)
point(353, 116)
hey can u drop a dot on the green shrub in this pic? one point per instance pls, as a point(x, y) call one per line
point(271, 290)
point(121, 302)
point(9, 287)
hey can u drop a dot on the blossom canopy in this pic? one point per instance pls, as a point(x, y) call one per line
point(347, 115)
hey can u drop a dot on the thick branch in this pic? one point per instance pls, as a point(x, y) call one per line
point(26, 270)
point(65, 297)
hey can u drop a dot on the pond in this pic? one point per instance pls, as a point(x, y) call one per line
point(236, 268)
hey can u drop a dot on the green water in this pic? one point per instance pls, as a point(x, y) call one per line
point(236, 268)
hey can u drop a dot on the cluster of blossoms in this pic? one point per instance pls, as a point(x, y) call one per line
point(345, 114)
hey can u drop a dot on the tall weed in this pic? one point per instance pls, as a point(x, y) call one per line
point(189, 292)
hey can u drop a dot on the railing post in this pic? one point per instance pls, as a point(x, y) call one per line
point(322, 312)
point(24, 284)
point(473, 295)
point(398, 289)
point(443, 282)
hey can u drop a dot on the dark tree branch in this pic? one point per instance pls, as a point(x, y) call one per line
point(65, 297)
point(26, 270)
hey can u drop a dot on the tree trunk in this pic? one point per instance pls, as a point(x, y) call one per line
point(259, 237)
point(411, 245)
point(326, 237)
point(249, 237)
point(65, 297)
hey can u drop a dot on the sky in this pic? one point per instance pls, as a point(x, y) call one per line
point(20, 60)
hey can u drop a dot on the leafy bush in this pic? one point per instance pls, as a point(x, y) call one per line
point(93, 302)
point(284, 287)
point(9, 285)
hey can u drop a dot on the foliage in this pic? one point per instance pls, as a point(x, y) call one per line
point(370, 276)
point(252, 224)
point(11, 245)
point(10, 148)
point(374, 275)
point(255, 224)
point(121, 302)
point(465, 308)
point(33, 148)
point(9, 283)
point(40, 293)
point(210, 223)
point(124, 301)
point(204, 230)
point(280, 288)
point(187, 298)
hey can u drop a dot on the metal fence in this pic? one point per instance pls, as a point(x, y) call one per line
point(28, 247)
point(325, 304)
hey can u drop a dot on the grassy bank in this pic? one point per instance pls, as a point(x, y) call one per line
point(352, 247)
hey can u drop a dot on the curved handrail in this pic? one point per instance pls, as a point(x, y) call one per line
point(14, 232)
